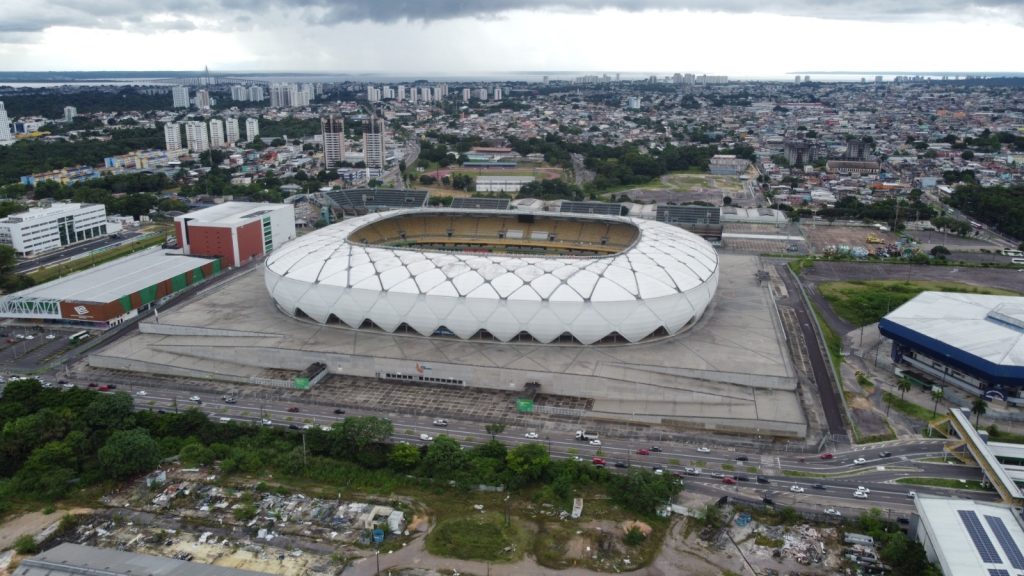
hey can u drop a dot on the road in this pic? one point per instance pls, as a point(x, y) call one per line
point(77, 250)
point(837, 477)
point(819, 370)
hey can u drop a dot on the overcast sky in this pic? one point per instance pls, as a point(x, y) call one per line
point(419, 37)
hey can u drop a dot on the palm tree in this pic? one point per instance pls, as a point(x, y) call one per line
point(494, 430)
point(978, 408)
point(937, 394)
point(904, 386)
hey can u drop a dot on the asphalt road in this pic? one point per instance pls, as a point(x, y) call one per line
point(820, 372)
point(70, 253)
point(838, 477)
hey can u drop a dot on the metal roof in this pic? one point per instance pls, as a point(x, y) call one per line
point(230, 213)
point(984, 333)
point(74, 559)
point(966, 536)
point(110, 281)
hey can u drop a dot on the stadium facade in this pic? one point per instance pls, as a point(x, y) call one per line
point(972, 341)
point(498, 274)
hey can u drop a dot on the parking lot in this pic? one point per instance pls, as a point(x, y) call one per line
point(27, 348)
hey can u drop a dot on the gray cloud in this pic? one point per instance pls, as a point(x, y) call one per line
point(26, 16)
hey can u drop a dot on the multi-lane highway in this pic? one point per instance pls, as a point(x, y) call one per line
point(824, 483)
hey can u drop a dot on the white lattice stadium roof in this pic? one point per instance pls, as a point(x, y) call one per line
point(664, 279)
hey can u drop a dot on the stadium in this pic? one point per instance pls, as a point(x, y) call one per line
point(496, 275)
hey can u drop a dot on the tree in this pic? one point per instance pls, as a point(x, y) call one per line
point(358, 432)
point(904, 386)
point(967, 155)
point(978, 407)
point(128, 452)
point(641, 491)
point(444, 458)
point(404, 457)
point(940, 252)
point(527, 462)
point(727, 201)
point(195, 454)
point(110, 411)
point(494, 429)
point(937, 394)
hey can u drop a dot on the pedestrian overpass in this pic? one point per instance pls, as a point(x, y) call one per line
point(1002, 464)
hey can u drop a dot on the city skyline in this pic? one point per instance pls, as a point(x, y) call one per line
point(460, 37)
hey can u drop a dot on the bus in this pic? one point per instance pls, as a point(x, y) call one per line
point(79, 336)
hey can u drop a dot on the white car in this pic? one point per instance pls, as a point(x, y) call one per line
point(267, 422)
point(30, 337)
point(703, 449)
point(833, 512)
point(325, 428)
point(860, 494)
point(140, 393)
point(50, 336)
point(68, 385)
point(860, 461)
point(795, 488)
point(595, 442)
point(911, 494)
point(441, 422)
point(195, 399)
point(863, 489)
point(531, 435)
point(426, 437)
point(306, 426)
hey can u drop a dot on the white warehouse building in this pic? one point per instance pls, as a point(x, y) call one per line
point(53, 227)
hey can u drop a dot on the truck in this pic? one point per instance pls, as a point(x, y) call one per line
point(586, 435)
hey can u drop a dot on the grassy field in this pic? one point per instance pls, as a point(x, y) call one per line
point(478, 537)
point(46, 274)
point(909, 408)
point(688, 181)
point(866, 302)
point(944, 483)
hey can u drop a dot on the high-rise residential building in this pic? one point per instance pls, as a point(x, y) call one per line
point(333, 130)
point(413, 94)
point(252, 129)
point(466, 93)
point(373, 94)
point(172, 138)
point(400, 96)
point(279, 95)
point(180, 97)
point(216, 133)
point(69, 113)
point(497, 93)
point(231, 131)
point(6, 138)
point(436, 94)
point(203, 99)
point(196, 137)
point(239, 93)
point(482, 93)
point(374, 146)
point(256, 93)
point(425, 93)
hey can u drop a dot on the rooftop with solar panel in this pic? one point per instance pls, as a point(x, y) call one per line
point(969, 538)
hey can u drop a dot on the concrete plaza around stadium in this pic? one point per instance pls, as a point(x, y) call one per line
point(730, 372)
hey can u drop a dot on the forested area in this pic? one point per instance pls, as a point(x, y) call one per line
point(54, 442)
point(48, 103)
point(34, 156)
point(1001, 207)
point(850, 208)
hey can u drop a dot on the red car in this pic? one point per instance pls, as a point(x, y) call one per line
point(827, 456)
point(293, 409)
point(598, 461)
point(104, 388)
point(728, 480)
point(643, 452)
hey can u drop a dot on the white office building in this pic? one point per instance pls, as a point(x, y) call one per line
point(231, 130)
point(172, 138)
point(50, 228)
point(6, 138)
point(333, 130)
point(239, 93)
point(216, 133)
point(196, 137)
point(252, 129)
point(180, 96)
point(69, 113)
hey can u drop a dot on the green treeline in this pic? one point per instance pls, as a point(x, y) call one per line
point(1000, 207)
point(48, 103)
point(54, 442)
point(34, 156)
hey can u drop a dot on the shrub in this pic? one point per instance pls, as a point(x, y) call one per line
point(25, 544)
